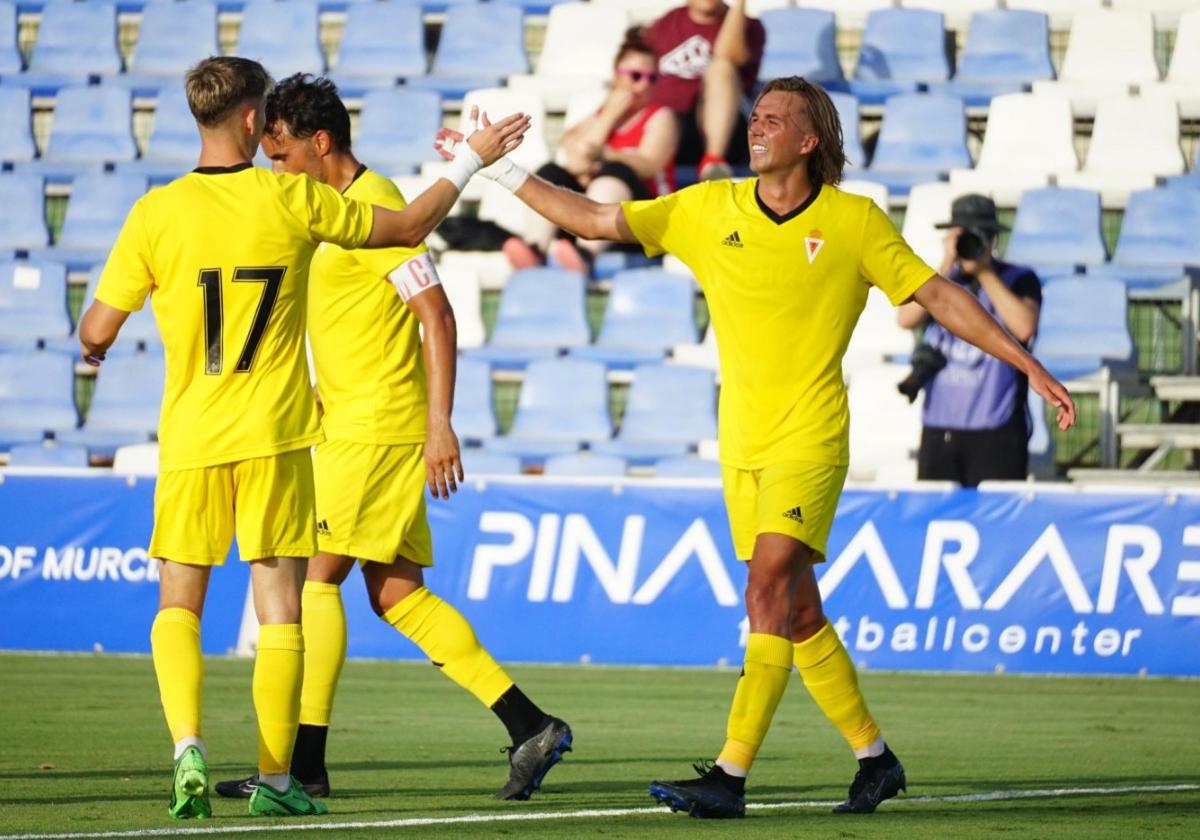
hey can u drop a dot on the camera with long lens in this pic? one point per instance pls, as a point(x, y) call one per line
point(927, 360)
point(970, 244)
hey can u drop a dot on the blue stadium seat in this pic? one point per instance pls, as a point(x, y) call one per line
point(47, 456)
point(23, 222)
point(33, 302)
point(474, 419)
point(1084, 325)
point(686, 466)
point(173, 37)
point(541, 312)
point(1006, 50)
point(585, 464)
point(649, 312)
point(671, 409)
point(1160, 234)
point(174, 145)
point(382, 42)
point(801, 42)
point(10, 56)
point(92, 126)
point(125, 404)
point(533, 7)
point(481, 45)
point(283, 36)
point(396, 131)
point(1057, 229)
point(75, 41)
point(477, 462)
point(36, 396)
point(140, 331)
point(901, 48)
point(563, 405)
point(847, 108)
point(96, 210)
point(16, 126)
point(923, 137)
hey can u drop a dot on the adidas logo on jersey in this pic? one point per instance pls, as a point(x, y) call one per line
point(323, 528)
point(795, 514)
point(733, 240)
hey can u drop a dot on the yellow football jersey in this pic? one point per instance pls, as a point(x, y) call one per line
point(223, 253)
point(365, 340)
point(784, 293)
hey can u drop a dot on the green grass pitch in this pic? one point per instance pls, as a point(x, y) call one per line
point(83, 748)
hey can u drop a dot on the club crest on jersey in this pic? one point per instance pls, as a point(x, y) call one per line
point(813, 243)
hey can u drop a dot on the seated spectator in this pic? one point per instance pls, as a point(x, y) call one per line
point(626, 150)
point(975, 422)
point(709, 54)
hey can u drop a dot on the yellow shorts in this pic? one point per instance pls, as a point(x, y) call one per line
point(269, 502)
point(371, 501)
point(795, 498)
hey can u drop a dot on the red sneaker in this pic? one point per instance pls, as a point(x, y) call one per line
point(714, 168)
point(567, 256)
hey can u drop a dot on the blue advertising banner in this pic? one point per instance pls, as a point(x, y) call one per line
point(643, 573)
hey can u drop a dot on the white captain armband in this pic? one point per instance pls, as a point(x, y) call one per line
point(414, 276)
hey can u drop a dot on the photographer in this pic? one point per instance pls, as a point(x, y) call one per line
point(976, 423)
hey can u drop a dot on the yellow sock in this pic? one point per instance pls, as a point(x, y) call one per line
point(278, 673)
point(830, 678)
point(763, 681)
point(442, 633)
point(324, 622)
point(175, 645)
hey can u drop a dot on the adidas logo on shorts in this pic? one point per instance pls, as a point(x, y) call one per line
point(733, 240)
point(323, 528)
point(795, 514)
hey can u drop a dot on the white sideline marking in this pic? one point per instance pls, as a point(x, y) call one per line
point(413, 822)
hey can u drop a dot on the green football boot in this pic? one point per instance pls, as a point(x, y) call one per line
point(294, 802)
point(189, 792)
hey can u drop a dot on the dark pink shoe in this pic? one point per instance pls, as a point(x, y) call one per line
point(520, 253)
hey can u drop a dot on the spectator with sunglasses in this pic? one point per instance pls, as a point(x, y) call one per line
point(626, 150)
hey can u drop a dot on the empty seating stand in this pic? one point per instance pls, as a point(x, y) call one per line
point(901, 49)
point(563, 406)
point(381, 44)
point(481, 45)
point(1056, 231)
point(33, 303)
point(649, 311)
point(283, 36)
point(671, 409)
point(541, 313)
point(1005, 52)
point(36, 396)
point(923, 137)
point(92, 127)
point(125, 404)
point(801, 42)
point(76, 41)
point(397, 129)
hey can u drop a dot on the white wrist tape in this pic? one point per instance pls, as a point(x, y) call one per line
point(465, 164)
point(506, 173)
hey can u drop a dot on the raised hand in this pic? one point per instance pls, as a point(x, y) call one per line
point(492, 141)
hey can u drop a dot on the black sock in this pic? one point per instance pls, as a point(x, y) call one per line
point(520, 715)
point(737, 784)
point(308, 757)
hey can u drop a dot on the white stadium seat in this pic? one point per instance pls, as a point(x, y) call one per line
point(876, 337)
point(885, 428)
point(873, 190)
point(1135, 140)
point(1108, 52)
point(1183, 76)
point(1014, 158)
point(1167, 13)
point(462, 288)
point(641, 11)
point(581, 43)
point(929, 205)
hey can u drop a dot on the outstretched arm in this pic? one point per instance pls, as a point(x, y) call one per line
point(958, 311)
point(408, 228)
point(566, 208)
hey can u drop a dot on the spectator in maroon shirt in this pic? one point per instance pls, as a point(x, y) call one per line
point(709, 54)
